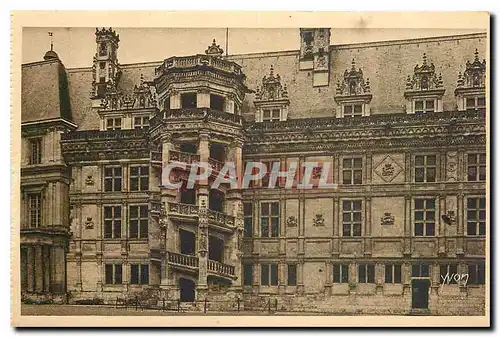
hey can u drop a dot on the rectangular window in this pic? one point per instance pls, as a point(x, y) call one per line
point(292, 274)
point(420, 270)
point(35, 151)
point(112, 222)
point(247, 274)
point(138, 222)
point(269, 274)
point(366, 273)
point(113, 124)
point(139, 274)
point(424, 106)
point(248, 219)
point(352, 110)
point(269, 219)
point(477, 103)
point(141, 122)
point(265, 179)
point(476, 167)
point(476, 273)
point(352, 171)
point(139, 178)
point(476, 216)
point(35, 209)
point(112, 179)
point(113, 273)
point(393, 273)
point(447, 274)
point(271, 115)
point(340, 273)
point(216, 102)
point(425, 169)
point(351, 217)
point(188, 100)
point(425, 217)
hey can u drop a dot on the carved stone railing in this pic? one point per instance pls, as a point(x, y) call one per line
point(183, 157)
point(182, 260)
point(221, 269)
point(156, 156)
point(215, 165)
point(183, 209)
point(220, 218)
point(103, 135)
point(199, 113)
point(197, 61)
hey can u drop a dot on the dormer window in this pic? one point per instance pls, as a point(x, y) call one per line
point(471, 87)
point(271, 100)
point(353, 94)
point(424, 90)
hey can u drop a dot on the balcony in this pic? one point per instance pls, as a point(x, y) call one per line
point(215, 165)
point(197, 61)
point(221, 269)
point(183, 157)
point(190, 263)
point(183, 211)
point(220, 219)
point(183, 261)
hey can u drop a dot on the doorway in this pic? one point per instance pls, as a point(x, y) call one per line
point(420, 294)
point(188, 242)
point(215, 248)
point(187, 289)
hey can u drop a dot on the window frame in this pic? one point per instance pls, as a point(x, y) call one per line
point(424, 108)
point(114, 268)
point(342, 270)
point(112, 221)
point(248, 220)
point(36, 212)
point(476, 106)
point(139, 177)
point(368, 273)
point(291, 276)
point(142, 273)
point(425, 167)
point(141, 233)
point(272, 114)
point(447, 268)
point(424, 221)
point(269, 218)
point(353, 112)
point(142, 124)
point(421, 268)
point(114, 124)
point(35, 150)
point(246, 268)
point(478, 165)
point(352, 223)
point(266, 278)
point(477, 273)
point(478, 220)
point(392, 269)
point(352, 169)
point(113, 178)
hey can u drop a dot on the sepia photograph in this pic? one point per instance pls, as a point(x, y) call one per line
point(310, 170)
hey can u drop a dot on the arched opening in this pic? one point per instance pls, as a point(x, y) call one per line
point(215, 249)
point(187, 289)
point(187, 242)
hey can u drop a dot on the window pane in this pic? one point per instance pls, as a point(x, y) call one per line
point(275, 208)
point(292, 274)
point(118, 273)
point(347, 163)
point(133, 229)
point(247, 274)
point(144, 274)
point(419, 203)
point(430, 203)
point(415, 270)
point(264, 227)
point(470, 102)
point(264, 274)
point(388, 273)
point(356, 230)
point(471, 228)
point(109, 273)
point(419, 105)
point(429, 229)
point(425, 270)
point(348, 109)
point(274, 274)
point(481, 101)
point(345, 273)
point(358, 109)
point(336, 273)
point(265, 208)
point(431, 175)
point(397, 273)
point(275, 227)
point(134, 274)
point(346, 175)
point(362, 273)
point(247, 209)
point(346, 230)
point(419, 229)
point(419, 160)
point(371, 273)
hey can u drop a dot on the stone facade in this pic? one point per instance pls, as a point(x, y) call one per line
point(403, 140)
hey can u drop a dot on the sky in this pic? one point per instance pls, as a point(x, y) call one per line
point(76, 46)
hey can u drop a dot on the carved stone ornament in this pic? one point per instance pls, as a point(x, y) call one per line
point(291, 221)
point(214, 50)
point(272, 88)
point(143, 96)
point(387, 219)
point(89, 181)
point(388, 169)
point(89, 224)
point(424, 78)
point(319, 220)
point(474, 75)
point(353, 83)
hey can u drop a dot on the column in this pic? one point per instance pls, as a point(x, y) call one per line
point(441, 226)
point(30, 268)
point(46, 259)
point(39, 269)
point(300, 276)
point(460, 223)
point(203, 98)
point(175, 100)
point(368, 226)
point(203, 189)
point(407, 224)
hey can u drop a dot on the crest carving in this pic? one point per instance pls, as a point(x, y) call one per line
point(291, 221)
point(319, 220)
point(271, 89)
point(474, 75)
point(387, 219)
point(89, 224)
point(353, 83)
point(214, 50)
point(388, 169)
point(424, 78)
point(89, 181)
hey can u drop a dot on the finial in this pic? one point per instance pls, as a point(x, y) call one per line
point(425, 59)
point(271, 72)
point(476, 55)
point(353, 64)
point(142, 79)
point(52, 41)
